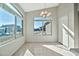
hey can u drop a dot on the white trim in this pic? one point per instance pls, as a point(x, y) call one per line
point(8, 4)
point(68, 30)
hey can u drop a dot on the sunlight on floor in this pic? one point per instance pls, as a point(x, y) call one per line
point(45, 49)
point(59, 50)
point(28, 53)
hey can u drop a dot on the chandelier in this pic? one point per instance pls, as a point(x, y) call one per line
point(45, 13)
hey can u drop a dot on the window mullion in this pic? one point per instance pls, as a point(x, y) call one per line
point(15, 27)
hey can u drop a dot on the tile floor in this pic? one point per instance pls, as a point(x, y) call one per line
point(44, 49)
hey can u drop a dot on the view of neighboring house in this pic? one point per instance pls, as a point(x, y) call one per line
point(9, 29)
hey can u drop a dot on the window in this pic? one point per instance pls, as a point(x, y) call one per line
point(11, 24)
point(42, 26)
point(7, 24)
point(19, 26)
point(37, 27)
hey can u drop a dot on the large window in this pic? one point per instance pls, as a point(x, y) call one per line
point(42, 26)
point(7, 24)
point(11, 26)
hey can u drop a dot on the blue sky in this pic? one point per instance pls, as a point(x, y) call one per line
point(7, 18)
point(37, 24)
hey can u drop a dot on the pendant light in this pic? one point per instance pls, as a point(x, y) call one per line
point(45, 13)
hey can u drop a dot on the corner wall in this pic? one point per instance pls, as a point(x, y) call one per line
point(68, 11)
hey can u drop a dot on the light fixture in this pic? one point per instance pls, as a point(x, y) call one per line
point(45, 13)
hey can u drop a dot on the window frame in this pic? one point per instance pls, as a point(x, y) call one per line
point(4, 6)
point(50, 20)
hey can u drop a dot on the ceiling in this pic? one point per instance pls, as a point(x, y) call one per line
point(27, 7)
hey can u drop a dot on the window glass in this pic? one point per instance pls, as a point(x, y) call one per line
point(7, 25)
point(42, 26)
point(47, 27)
point(41, 18)
point(37, 27)
point(19, 26)
point(11, 24)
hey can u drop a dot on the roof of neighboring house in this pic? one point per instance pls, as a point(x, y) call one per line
point(10, 25)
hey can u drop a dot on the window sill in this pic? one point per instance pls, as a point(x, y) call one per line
point(5, 42)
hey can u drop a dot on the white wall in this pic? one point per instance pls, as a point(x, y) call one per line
point(11, 47)
point(66, 16)
point(30, 37)
point(76, 25)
